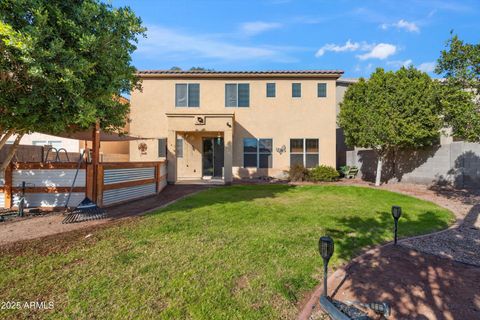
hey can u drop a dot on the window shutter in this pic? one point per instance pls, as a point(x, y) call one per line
point(322, 90)
point(230, 95)
point(243, 95)
point(162, 148)
point(181, 95)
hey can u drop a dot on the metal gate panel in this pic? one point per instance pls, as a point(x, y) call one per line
point(49, 199)
point(49, 177)
point(123, 194)
point(111, 176)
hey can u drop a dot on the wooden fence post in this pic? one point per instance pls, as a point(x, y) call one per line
point(157, 176)
point(89, 183)
point(100, 185)
point(8, 186)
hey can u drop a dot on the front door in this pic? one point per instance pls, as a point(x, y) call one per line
point(212, 157)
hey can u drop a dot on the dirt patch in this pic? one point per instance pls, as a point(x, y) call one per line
point(47, 234)
point(62, 242)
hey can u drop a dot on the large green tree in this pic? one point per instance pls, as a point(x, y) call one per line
point(394, 110)
point(62, 63)
point(459, 63)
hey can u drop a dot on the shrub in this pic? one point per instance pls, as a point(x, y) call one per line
point(298, 173)
point(323, 173)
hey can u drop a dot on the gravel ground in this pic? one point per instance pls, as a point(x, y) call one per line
point(461, 242)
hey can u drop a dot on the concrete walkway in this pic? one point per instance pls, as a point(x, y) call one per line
point(51, 224)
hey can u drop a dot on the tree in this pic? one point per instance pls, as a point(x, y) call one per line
point(175, 68)
point(62, 63)
point(200, 69)
point(460, 64)
point(394, 110)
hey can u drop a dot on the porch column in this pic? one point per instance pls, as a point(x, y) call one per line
point(227, 156)
point(171, 157)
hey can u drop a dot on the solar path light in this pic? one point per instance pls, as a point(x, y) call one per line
point(326, 247)
point(396, 213)
point(338, 310)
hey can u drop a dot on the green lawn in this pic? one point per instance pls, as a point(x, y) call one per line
point(241, 252)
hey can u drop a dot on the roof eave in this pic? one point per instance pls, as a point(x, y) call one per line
point(329, 75)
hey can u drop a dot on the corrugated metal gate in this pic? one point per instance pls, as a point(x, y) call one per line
point(48, 184)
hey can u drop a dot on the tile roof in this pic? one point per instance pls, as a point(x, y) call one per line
point(269, 72)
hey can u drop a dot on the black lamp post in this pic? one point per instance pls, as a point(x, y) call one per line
point(396, 213)
point(325, 247)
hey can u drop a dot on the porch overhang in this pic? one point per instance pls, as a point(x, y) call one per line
point(198, 122)
point(202, 123)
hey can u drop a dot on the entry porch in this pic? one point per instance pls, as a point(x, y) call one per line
point(199, 148)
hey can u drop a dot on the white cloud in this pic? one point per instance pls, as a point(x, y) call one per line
point(256, 27)
point(427, 66)
point(375, 51)
point(348, 46)
point(402, 24)
point(380, 51)
point(170, 44)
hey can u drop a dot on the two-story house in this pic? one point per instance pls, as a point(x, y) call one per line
point(222, 125)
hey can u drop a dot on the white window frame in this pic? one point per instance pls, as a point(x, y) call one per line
point(258, 153)
point(274, 89)
point(326, 87)
point(188, 95)
point(237, 100)
point(304, 152)
point(300, 85)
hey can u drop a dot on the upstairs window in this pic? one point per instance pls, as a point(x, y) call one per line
point(237, 95)
point(271, 90)
point(304, 152)
point(257, 153)
point(296, 90)
point(322, 90)
point(187, 95)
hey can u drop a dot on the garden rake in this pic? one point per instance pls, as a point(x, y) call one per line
point(87, 209)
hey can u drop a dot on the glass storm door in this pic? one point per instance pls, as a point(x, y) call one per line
point(212, 157)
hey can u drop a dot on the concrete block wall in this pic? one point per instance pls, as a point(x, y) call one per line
point(457, 164)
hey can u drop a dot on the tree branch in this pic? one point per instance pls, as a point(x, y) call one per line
point(11, 152)
point(5, 137)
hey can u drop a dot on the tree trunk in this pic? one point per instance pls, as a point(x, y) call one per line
point(11, 153)
point(378, 178)
point(5, 137)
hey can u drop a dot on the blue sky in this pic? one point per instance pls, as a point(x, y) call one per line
point(354, 36)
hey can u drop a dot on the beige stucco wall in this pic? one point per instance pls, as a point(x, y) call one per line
point(71, 145)
point(280, 118)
